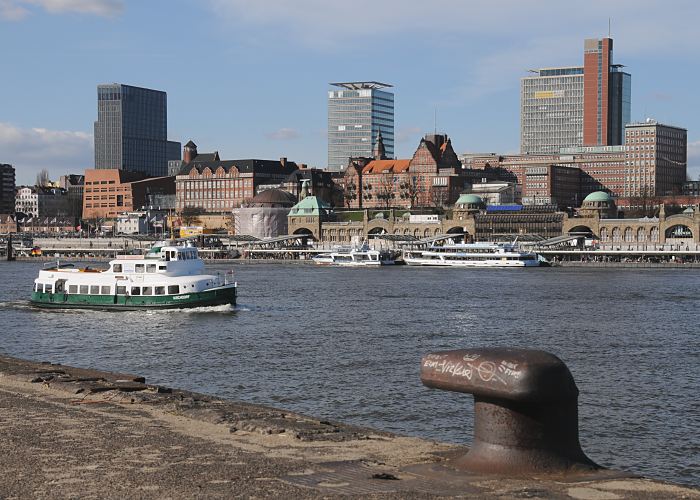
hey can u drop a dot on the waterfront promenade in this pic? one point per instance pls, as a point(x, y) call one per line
point(69, 432)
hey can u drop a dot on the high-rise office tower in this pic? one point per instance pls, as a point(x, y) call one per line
point(585, 105)
point(7, 189)
point(356, 115)
point(131, 129)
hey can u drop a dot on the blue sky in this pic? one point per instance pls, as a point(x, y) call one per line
point(249, 77)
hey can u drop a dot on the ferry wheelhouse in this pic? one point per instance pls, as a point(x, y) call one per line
point(167, 277)
point(472, 255)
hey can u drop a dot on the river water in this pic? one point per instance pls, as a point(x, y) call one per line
point(345, 344)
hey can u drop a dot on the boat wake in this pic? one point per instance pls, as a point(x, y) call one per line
point(25, 305)
point(223, 309)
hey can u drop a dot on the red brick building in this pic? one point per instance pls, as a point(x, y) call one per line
point(432, 177)
point(216, 186)
point(653, 162)
point(109, 192)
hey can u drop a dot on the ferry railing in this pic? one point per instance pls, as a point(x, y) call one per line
point(228, 278)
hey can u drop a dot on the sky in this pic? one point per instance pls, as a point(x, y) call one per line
point(249, 78)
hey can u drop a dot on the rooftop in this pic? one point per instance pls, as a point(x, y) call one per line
point(650, 122)
point(361, 85)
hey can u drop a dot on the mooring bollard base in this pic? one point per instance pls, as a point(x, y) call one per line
point(525, 409)
point(485, 458)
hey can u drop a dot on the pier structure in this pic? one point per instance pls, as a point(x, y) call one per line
point(70, 432)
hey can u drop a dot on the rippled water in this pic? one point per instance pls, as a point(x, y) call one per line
point(345, 344)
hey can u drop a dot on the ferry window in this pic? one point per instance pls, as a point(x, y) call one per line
point(121, 290)
point(151, 268)
point(135, 290)
point(48, 288)
point(160, 290)
point(162, 268)
point(139, 268)
point(94, 290)
point(117, 268)
point(147, 290)
point(105, 290)
point(83, 289)
point(72, 288)
point(173, 289)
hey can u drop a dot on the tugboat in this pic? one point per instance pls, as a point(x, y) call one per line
point(167, 277)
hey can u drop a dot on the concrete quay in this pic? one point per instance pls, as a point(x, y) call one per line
point(68, 432)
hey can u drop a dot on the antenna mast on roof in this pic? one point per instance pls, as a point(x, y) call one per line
point(435, 120)
point(609, 27)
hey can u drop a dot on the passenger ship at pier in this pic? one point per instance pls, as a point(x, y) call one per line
point(167, 277)
point(472, 255)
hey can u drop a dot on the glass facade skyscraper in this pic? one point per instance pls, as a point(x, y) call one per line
point(356, 114)
point(131, 129)
point(551, 110)
point(576, 106)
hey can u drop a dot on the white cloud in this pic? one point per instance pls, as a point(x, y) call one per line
point(508, 36)
point(11, 11)
point(58, 151)
point(15, 10)
point(283, 134)
point(643, 24)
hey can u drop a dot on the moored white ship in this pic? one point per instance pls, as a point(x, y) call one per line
point(167, 277)
point(362, 256)
point(472, 255)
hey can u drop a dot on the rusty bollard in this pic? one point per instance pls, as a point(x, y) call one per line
point(525, 409)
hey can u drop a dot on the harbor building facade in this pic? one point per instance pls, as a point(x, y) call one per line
point(110, 192)
point(7, 189)
point(652, 163)
point(213, 186)
point(131, 130)
point(43, 201)
point(576, 106)
point(357, 113)
point(432, 177)
point(656, 159)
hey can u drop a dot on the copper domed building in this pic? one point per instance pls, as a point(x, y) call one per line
point(266, 214)
point(273, 198)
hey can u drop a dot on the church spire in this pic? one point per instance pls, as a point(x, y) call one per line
point(379, 152)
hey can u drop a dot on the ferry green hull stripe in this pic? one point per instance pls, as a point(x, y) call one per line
point(213, 297)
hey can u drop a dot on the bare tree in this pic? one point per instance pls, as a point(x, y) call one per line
point(411, 190)
point(190, 215)
point(350, 193)
point(385, 191)
point(439, 196)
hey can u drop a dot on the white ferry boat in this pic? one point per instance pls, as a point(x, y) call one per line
point(167, 277)
point(361, 256)
point(472, 255)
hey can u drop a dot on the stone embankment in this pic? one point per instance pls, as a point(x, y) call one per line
point(69, 432)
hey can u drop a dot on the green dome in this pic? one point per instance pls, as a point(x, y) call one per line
point(598, 196)
point(311, 205)
point(469, 199)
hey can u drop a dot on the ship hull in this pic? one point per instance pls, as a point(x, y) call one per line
point(206, 298)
